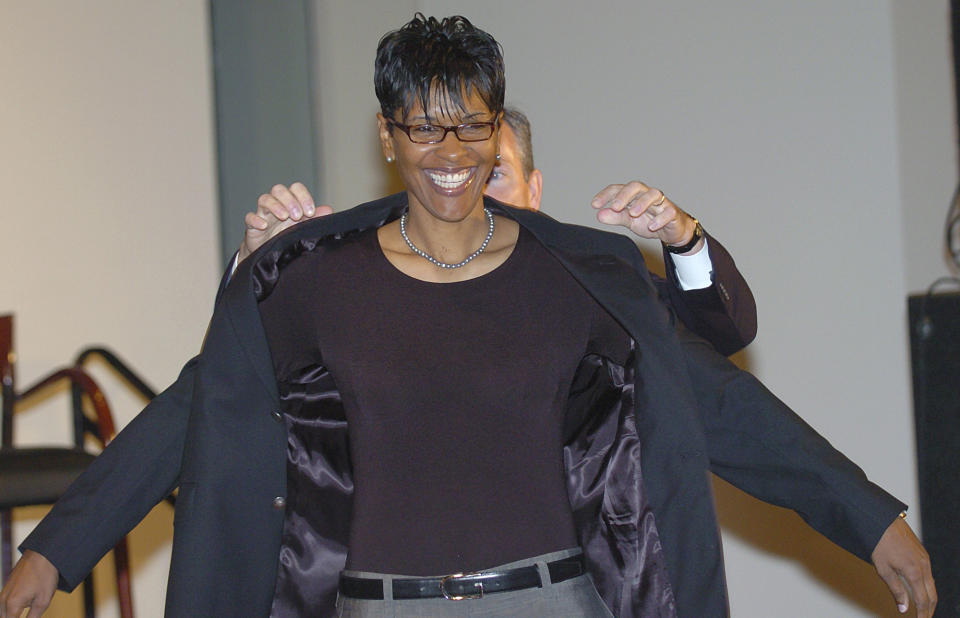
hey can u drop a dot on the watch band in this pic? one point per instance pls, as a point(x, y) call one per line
point(697, 235)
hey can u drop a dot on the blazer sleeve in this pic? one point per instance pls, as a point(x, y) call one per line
point(757, 443)
point(725, 314)
point(135, 471)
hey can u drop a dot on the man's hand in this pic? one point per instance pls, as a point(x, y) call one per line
point(32, 583)
point(283, 207)
point(646, 212)
point(904, 565)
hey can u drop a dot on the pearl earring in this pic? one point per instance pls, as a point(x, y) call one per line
point(389, 159)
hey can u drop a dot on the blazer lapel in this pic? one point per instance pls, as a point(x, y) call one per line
point(596, 263)
point(240, 299)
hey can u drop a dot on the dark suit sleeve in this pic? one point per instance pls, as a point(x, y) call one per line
point(757, 443)
point(138, 469)
point(725, 314)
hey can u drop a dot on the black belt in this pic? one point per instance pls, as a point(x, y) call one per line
point(463, 585)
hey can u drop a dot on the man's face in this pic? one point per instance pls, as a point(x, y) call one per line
point(507, 183)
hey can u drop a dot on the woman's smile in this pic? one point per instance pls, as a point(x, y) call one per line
point(451, 182)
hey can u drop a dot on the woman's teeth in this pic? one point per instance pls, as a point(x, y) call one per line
point(449, 180)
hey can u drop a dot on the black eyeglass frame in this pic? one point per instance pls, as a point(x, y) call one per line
point(492, 124)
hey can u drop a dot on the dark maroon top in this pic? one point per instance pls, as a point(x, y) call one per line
point(454, 396)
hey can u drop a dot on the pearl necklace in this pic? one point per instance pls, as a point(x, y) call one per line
point(435, 261)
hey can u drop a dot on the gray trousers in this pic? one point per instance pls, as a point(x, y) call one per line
point(573, 598)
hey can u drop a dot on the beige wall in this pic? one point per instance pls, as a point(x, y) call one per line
point(107, 233)
point(927, 135)
point(815, 139)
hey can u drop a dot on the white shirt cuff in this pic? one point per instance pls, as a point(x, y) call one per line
point(233, 264)
point(694, 272)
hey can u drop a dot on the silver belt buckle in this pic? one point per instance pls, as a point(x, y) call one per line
point(455, 597)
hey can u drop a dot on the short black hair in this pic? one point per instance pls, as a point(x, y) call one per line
point(451, 56)
point(520, 124)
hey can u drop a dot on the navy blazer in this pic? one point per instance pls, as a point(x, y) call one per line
point(217, 434)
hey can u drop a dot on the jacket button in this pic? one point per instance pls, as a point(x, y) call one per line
point(277, 416)
point(723, 291)
point(279, 503)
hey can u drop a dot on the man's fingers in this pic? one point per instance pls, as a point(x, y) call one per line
point(290, 201)
point(612, 217)
point(634, 196)
point(616, 197)
point(652, 200)
point(276, 211)
point(255, 221)
point(267, 203)
point(286, 197)
point(294, 201)
point(665, 218)
point(628, 197)
point(303, 197)
point(604, 195)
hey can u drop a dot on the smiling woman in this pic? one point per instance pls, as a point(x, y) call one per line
point(444, 154)
point(450, 265)
point(439, 120)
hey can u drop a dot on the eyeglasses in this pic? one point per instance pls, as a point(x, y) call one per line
point(435, 133)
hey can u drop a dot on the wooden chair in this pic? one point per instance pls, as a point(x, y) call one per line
point(40, 475)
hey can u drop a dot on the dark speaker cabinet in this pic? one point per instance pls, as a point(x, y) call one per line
point(935, 357)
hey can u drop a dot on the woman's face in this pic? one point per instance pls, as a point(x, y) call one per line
point(447, 178)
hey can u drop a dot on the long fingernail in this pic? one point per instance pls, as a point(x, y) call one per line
point(902, 607)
